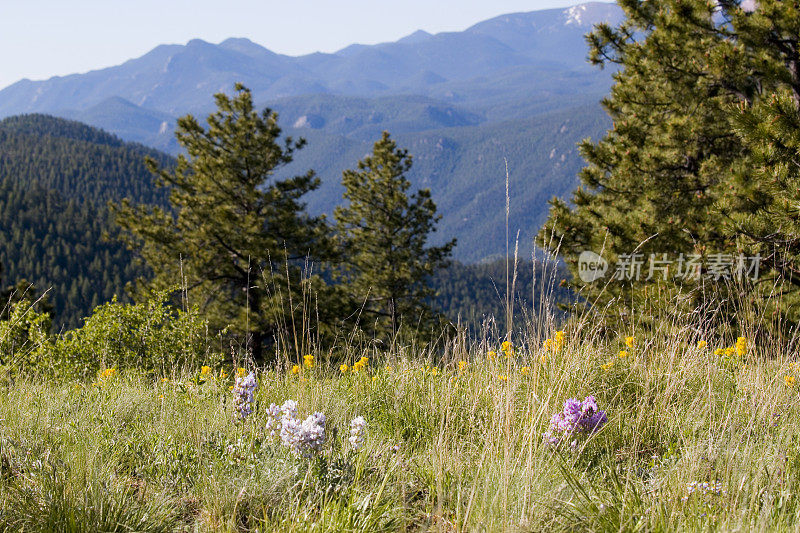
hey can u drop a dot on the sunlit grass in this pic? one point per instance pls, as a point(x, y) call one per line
point(452, 443)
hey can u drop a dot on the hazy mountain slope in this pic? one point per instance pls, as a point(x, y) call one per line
point(175, 79)
point(465, 170)
point(55, 179)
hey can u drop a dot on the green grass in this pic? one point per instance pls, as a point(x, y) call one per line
point(136, 453)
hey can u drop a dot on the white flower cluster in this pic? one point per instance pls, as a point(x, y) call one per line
point(358, 432)
point(303, 437)
point(243, 395)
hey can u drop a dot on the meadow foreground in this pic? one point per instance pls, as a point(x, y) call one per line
point(700, 435)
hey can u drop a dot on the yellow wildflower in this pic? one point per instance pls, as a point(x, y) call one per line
point(241, 372)
point(222, 374)
point(730, 351)
point(629, 342)
point(741, 346)
point(462, 365)
point(491, 355)
point(502, 377)
point(608, 365)
point(524, 370)
point(296, 369)
point(719, 351)
point(702, 344)
point(308, 361)
point(205, 370)
point(507, 348)
point(434, 371)
point(343, 368)
point(789, 380)
point(623, 354)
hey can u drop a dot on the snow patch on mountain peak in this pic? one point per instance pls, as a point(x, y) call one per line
point(574, 14)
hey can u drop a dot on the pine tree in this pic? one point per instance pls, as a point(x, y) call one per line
point(236, 236)
point(383, 234)
point(765, 211)
point(652, 184)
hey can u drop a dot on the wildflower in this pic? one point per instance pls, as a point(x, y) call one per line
point(629, 342)
point(357, 432)
point(730, 351)
point(524, 370)
point(274, 416)
point(719, 352)
point(434, 371)
point(608, 365)
point(462, 365)
point(741, 346)
point(491, 355)
point(222, 374)
point(243, 395)
point(361, 363)
point(576, 417)
point(240, 372)
point(289, 409)
point(789, 380)
point(502, 377)
point(701, 344)
point(296, 369)
point(308, 361)
point(306, 437)
point(343, 368)
point(507, 348)
point(206, 370)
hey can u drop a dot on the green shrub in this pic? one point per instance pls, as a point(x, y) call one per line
point(150, 336)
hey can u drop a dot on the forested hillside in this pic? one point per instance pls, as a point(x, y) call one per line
point(56, 177)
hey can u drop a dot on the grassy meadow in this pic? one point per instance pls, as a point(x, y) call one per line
point(702, 435)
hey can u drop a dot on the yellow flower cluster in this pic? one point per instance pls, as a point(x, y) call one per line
point(296, 369)
point(739, 349)
point(105, 376)
point(360, 364)
point(205, 371)
point(607, 366)
point(524, 370)
point(240, 372)
point(789, 380)
point(462, 365)
point(343, 368)
point(507, 348)
point(701, 345)
point(491, 355)
point(629, 342)
point(555, 344)
point(308, 361)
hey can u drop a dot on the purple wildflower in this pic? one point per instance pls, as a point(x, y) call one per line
point(577, 417)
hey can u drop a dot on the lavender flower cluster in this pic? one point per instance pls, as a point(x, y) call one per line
point(577, 417)
point(244, 395)
point(304, 437)
point(357, 432)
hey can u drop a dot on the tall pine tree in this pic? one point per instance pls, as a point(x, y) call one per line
point(236, 236)
point(383, 236)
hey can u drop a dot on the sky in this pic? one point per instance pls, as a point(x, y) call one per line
point(44, 38)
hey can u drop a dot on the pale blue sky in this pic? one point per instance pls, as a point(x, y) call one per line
point(44, 38)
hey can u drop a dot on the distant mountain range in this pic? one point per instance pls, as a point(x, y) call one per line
point(515, 87)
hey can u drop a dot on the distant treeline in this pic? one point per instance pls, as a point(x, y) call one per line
point(56, 177)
